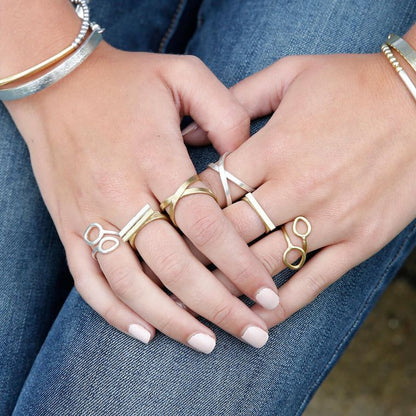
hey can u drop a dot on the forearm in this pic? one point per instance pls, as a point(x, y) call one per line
point(32, 31)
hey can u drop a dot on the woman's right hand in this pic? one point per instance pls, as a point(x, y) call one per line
point(105, 141)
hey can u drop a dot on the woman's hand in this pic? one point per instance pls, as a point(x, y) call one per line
point(340, 149)
point(104, 142)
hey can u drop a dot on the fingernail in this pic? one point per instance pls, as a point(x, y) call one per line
point(140, 333)
point(267, 298)
point(202, 342)
point(191, 127)
point(255, 336)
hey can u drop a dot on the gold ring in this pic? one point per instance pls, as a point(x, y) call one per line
point(268, 223)
point(291, 247)
point(145, 216)
point(169, 204)
point(155, 215)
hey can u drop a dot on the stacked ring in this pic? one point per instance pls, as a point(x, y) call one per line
point(252, 201)
point(169, 204)
point(145, 216)
point(291, 247)
point(128, 233)
point(226, 176)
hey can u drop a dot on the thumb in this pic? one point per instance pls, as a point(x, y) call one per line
point(261, 93)
point(219, 117)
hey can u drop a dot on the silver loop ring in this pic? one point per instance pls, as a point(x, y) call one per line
point(103, 237)
point(112, 238)
point(226, 176)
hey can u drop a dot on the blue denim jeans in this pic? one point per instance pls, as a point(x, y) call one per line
point(58, 357)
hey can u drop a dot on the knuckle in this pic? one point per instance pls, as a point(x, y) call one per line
point(193, 61)
point(270, 261)
point(238, 119)
point(173, 267)
point(206, 229)
point(166, 324)
point(222, 314)
point(244, 274)
point(281, 314)
point(120, 280)
point(316, 282)
point(111, 186)
point(185, 66)
point(110, 314)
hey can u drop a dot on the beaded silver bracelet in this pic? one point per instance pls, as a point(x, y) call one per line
point(402, 73)
point(83, 13)
point(58, 72)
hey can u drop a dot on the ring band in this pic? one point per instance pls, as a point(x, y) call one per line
point(226, 176)
point(169, 204)
point(291, 247)
point(145, 216)
point(252, 201)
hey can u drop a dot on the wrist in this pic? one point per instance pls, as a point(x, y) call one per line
point(31, 32)
point(399, 54)
point(47, 109)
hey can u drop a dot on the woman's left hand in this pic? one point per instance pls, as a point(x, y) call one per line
point(340, 150)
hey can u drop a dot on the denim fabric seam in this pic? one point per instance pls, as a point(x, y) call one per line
point(173, 24)
point(352, 328)
point(323, 28)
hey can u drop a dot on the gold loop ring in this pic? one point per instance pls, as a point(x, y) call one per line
point(252, 201)
point(291, 247)
point(169, 204)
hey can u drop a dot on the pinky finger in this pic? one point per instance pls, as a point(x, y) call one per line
point(94, 289)
point(321, 271)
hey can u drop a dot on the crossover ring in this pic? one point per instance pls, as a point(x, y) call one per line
point(169, 204)
point(226, 176)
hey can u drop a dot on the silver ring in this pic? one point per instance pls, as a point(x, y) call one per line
point(226, 176)
point(104, 236)
point(252, 201)
point(112, 238)
point(135, 223)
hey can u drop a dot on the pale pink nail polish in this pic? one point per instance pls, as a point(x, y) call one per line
point(139, 332)
point(202, 342)
point(188, 129)
point(255, 336)
point(267, 298)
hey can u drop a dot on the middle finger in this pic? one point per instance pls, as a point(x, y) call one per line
point(168, 256)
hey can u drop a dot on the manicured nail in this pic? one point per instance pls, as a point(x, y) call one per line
point(191, 127)
point(202, 342)
point(267, 298)
point(140, 333)
point(255, 336)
